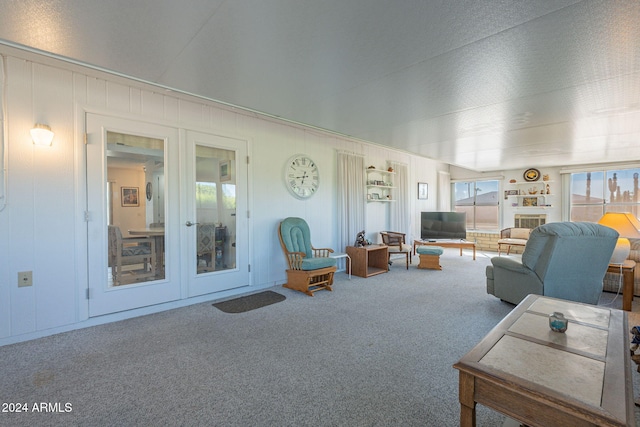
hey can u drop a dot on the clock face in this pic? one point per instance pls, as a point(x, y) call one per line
point(302, 176)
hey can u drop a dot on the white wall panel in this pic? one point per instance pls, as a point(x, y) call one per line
point(152, 105)
point(118, 97)
point(135, 103)
point(43, 218)
point(96, 92)
point(54, 196)
point(21, 193)
point(5, 298)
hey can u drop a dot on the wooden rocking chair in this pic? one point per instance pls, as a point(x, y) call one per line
point(310, 269)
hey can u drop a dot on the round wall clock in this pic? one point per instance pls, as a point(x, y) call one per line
point(301, 176)
point(531, 175)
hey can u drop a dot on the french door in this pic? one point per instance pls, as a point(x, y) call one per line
point(166, 214)
point(216, 224)
point(132, 212)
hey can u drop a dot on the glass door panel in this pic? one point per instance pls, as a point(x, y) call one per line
point(215, 209)
point(218, 191)
point(136, 212)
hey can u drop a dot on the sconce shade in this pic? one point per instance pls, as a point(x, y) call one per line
point(41, 134)
point(628, 226)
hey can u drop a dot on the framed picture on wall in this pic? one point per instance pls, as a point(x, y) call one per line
point(423, 191)
point(129, 196)
point(225, 171)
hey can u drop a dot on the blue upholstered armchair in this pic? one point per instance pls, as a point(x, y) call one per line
point(564, 260)
point(310, 269)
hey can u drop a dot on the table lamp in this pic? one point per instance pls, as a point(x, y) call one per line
point(628, 226)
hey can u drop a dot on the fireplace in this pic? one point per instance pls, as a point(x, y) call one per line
point(529, 220)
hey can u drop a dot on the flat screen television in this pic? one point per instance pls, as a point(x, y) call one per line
point(443, 225)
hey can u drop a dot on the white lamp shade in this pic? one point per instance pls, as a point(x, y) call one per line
point(41, 134)
point(625, 223)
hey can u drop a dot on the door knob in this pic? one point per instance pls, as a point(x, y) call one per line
point(189, 223)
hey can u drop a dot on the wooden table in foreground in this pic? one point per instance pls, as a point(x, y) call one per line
point(627, 269)
point(543, 378)
point(462, 244)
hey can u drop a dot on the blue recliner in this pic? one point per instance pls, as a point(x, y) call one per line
point(310, 269)
point(566, 260)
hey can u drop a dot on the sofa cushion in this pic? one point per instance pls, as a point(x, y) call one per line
point(520, 233)
point(317, 263)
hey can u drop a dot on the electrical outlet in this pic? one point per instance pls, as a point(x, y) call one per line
point(25, 278)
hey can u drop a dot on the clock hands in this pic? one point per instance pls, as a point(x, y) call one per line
point(304, 176)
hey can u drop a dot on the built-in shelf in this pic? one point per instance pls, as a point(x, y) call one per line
point(379, 185)
point(524, 199)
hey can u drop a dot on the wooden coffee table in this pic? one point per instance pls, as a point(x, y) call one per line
point(543, 378)
point(462, 244)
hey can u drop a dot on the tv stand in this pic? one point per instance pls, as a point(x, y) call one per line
point(447, 243)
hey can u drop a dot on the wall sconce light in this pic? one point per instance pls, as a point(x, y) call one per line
point(41, 134)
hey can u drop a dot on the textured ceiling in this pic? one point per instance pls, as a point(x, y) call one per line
point(485, 85)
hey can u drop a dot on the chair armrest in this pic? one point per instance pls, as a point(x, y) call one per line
point(634, 255)
point(295, 260)
point(509, 264)
point(512, 281)
point(321, 252)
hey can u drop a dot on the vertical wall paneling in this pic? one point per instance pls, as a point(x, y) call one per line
point(152, 105)
point(44, 223)
point(21, 192)
point(135, 100)
point(96, 92)
point(5, 297)
point(54, 197)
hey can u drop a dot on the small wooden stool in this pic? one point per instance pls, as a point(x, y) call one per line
point(430, 257)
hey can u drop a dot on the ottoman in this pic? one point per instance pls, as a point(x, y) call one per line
point(430, 257)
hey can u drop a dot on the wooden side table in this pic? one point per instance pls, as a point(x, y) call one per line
point(628, 272)
point(368, 260)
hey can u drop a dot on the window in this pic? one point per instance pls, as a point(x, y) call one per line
point(594, 193)
point(479, 199)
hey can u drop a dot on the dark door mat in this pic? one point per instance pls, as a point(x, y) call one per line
point(250, 302)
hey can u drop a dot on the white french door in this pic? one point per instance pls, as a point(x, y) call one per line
point(132, 187)
point(215, 213)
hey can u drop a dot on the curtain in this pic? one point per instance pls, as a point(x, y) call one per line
point(399, 209)
point(444, 191)
point(351, 198)
point(3, 109)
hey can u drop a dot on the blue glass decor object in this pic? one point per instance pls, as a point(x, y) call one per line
point(557, 322)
